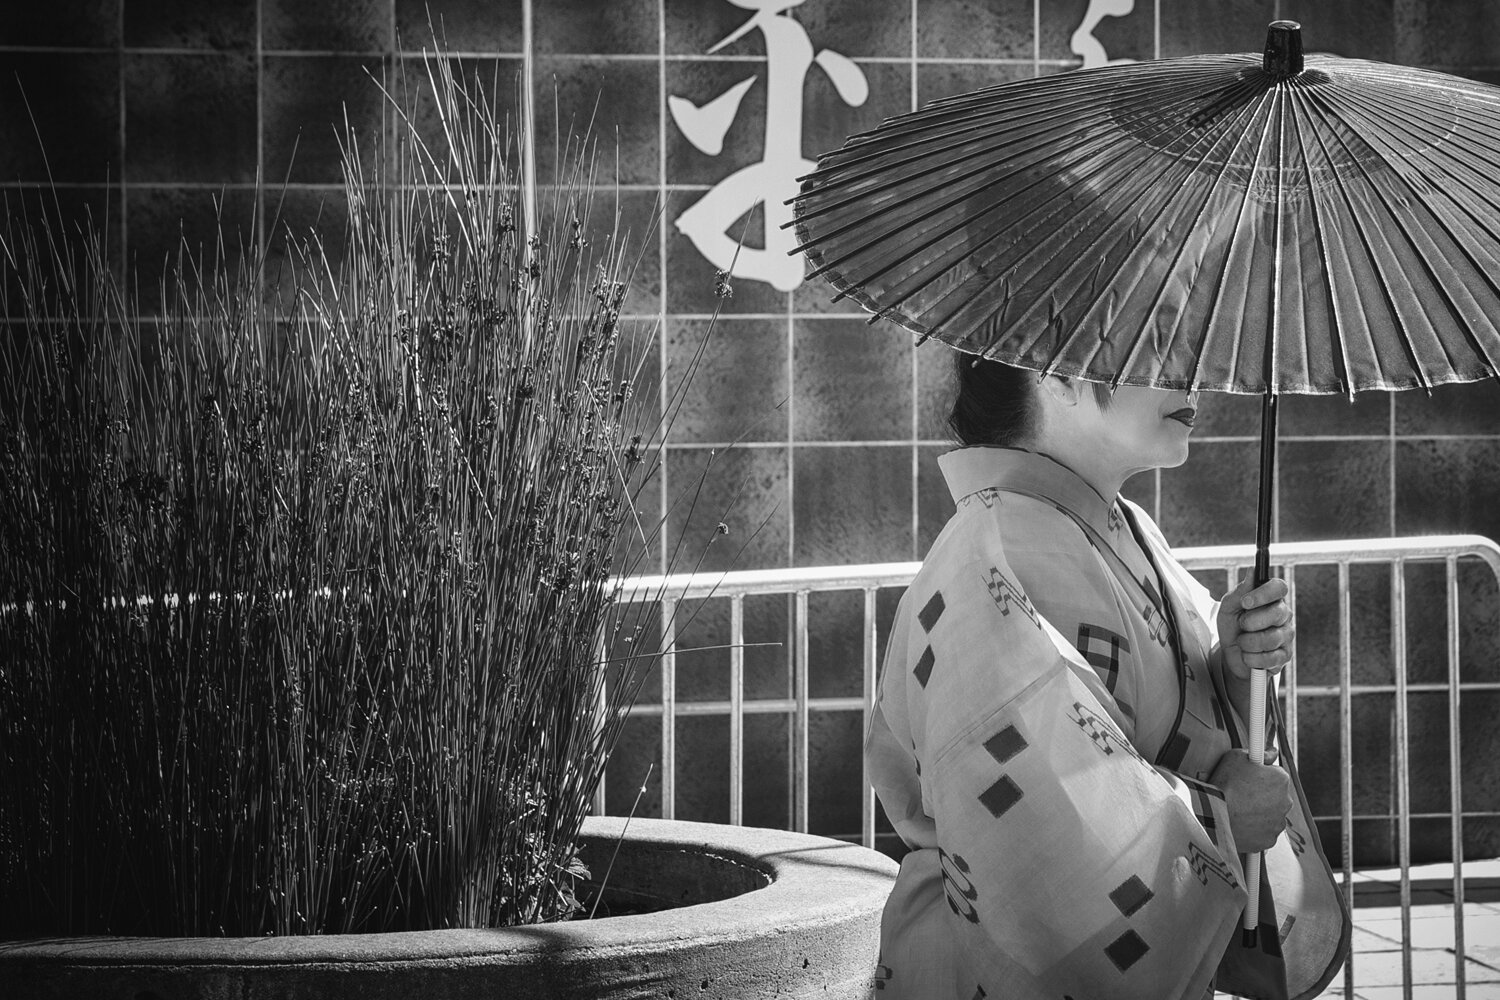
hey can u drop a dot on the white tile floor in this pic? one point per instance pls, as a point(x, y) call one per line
point(1377, 970)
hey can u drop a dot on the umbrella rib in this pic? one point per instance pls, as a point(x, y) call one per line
point(1387, 161)
point(1361, 226)
point(1219, 176)
point(1345, 377)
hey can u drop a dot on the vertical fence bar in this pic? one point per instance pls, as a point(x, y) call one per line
point(867, 797)
point(736, 709)
point(1403, 765)
point(669, 709)
point(1455, 783)
point(799, 718)
point(1346, 762)
point(1289, 683)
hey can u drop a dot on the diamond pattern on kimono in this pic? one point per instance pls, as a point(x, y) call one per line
point(1102, 647)
point(923, 669)
point(999, 797)
point(928, 616)
point(1130, 895)
point(1006, 744)
point(1126, 950)
point(931, 611)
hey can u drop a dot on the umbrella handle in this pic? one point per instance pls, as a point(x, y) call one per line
point(1249, 923)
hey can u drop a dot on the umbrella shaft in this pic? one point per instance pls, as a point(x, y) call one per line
point(1263, 515)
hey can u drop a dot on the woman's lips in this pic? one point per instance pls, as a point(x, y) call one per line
point(1183, 416)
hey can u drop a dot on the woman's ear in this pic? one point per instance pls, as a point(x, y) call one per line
point(1060, 389)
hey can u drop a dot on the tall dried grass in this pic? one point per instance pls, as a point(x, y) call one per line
point(304, 584)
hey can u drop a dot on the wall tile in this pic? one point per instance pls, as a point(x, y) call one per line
point(1369, 414)
point(191, 24)
point(695, 26)
point(165, 221)
point(935, 388)
point(743, 141)
point(190, 118)
point(1126, 31)
point(80, 23)
point(828, 119)
point(638, 747)
point(974, 29)
point(768, 784)
point(691, 282)
point(1193, 27)
point(1211, 500)
point(1358, 29)
point(67, 214)
point(629, 220)
point(703, 769)
point(1450, 409)
point(835, 779)
point(580, 27)
point(852, 505)
point(495, 82)
point(934, 501)
point(938, 80)
point(740, 391)
point(1318, 655)
point(857, 28)
point(851, 382)
point(703, 653)
point(1227, 414)
point(306, 225)
point(1333, 489)
point(1448, 486)
point(60, 114)
point(467, 25)
point(1448, 35)
point(615, 101)
point(305, 103)
point(743, 488)
point(326, 25)
point(835, 644)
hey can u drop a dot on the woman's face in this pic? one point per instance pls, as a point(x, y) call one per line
point(1141, 428)
point(1146, 428)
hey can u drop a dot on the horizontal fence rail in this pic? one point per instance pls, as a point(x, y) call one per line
point(1226, 563)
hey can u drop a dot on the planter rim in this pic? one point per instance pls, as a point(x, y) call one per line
point(818, 878)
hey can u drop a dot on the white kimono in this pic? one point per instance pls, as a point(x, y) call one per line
point(1044, 749)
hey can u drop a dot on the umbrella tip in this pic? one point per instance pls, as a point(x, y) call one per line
point(1283, 59)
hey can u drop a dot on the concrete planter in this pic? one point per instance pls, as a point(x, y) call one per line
point(757, 913)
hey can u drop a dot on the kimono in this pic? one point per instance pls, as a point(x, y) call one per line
point(1051, 708)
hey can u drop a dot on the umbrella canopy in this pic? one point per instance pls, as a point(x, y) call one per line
point(1239, 223)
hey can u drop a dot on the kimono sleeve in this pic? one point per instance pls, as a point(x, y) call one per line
point(1061, 848)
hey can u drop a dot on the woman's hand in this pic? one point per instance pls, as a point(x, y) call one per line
point(1255, 628)
point(1258, 798)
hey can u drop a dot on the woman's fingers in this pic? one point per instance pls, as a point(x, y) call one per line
point(1266, 617)
point(1267, 593)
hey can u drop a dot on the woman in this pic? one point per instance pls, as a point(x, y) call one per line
point(1059, 730)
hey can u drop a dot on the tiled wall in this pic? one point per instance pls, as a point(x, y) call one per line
point(159, 116)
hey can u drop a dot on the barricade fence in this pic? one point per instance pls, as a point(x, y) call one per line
point(1388, 705)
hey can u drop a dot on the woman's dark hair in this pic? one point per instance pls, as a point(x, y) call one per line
point(995, 403)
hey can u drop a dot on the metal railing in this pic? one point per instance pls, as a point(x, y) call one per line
point(1446, 551)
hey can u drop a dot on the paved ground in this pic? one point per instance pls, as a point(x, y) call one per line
point(1377, 970)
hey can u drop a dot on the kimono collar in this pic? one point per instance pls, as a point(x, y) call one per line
point(970, 470)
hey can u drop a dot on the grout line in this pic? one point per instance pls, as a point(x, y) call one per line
point(916, 395)
point(261, 240)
